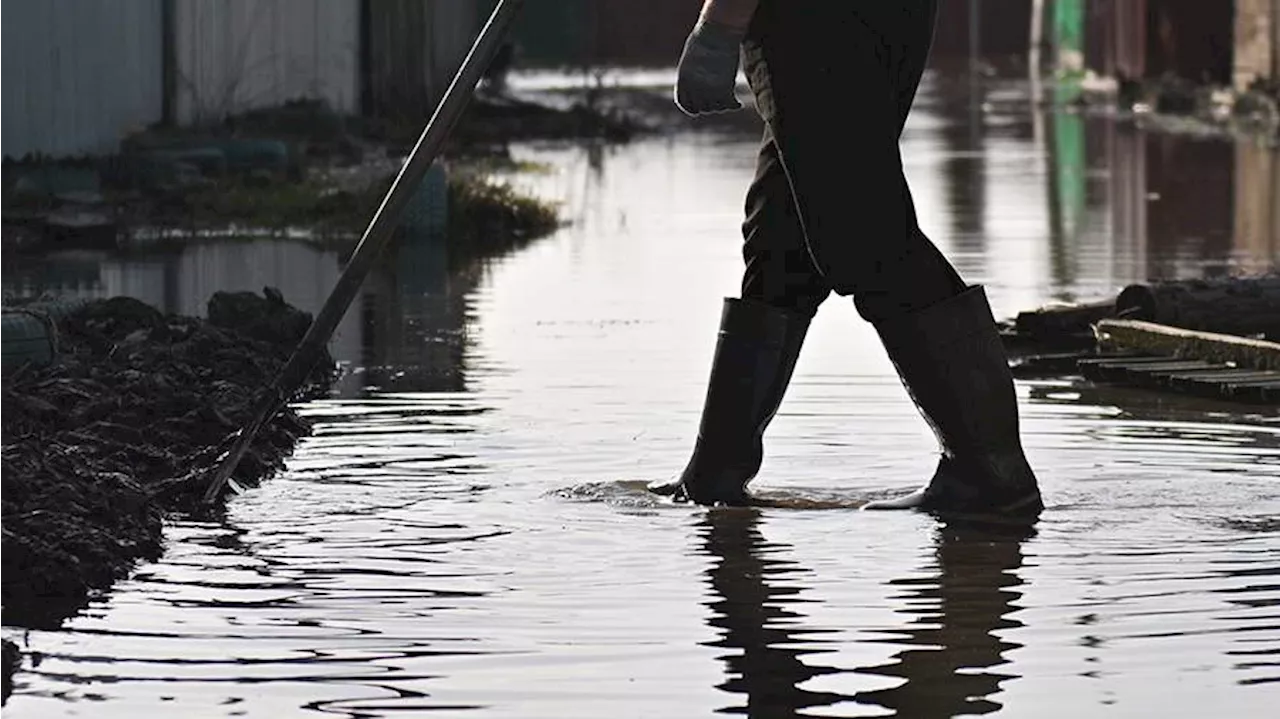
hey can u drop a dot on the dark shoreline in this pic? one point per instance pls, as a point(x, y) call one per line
point(111, 436)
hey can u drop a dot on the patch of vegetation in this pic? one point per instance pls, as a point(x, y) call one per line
point(488, 217)
point(307, 205)
point(299, 169)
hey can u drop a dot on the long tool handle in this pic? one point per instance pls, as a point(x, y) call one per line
point(375, 237)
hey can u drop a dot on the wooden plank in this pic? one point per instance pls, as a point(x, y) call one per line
point(1155, 374)
point(1170, 366)
point(1238, 387)
point(1208, 384)
point(1122, 372)
point(1260, 392)
point(1186, 344)
point(1051, 364)
point(1111, 369)
point(1187, 376)
point(1052, 322)
point(1222, 376)
point(1265, 382)
point(1110, 361)
point(1208, 390)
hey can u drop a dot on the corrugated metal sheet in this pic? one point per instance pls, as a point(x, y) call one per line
point(1253, 49)
point(1116, 38)
point(453, 26)
point(1130, 38)
point(413, 48)
point(1003, 28)
point(1136, 39)
point(233, 55)
point(78, 74)
point(1192, 39)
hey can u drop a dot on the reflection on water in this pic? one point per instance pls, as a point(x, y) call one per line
point(464, 533)
point(750, 604)
point(1116, 205)
point(404, 331)
point(954, 649)
point(955, 608)
point(414, 313)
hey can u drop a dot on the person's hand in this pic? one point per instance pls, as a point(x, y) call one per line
point(708, 69)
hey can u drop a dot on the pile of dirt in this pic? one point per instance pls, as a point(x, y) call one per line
point(99, 445)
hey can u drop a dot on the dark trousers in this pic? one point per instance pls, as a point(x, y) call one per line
point(829, 209)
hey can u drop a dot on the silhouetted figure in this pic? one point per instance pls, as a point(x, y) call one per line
point(830, 211)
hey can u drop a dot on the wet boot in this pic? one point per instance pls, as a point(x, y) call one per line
point(952, 362)
point(754, 359)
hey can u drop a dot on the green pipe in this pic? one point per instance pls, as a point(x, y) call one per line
point(1068, 37)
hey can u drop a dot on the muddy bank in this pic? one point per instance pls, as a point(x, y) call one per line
point(103, 442)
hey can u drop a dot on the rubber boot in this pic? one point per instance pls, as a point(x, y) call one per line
point(951, 359)
point(754, 358)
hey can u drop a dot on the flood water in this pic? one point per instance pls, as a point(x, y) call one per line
point(466, 530)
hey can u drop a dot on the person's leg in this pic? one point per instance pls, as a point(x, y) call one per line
point(759, 343)
point(779, 270)
point(835, 82)
point(761, 334)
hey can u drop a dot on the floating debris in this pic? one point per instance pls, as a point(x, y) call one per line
point(1200, 337)
point(1146, 354)
point(1215, 380)
point(1244, 306)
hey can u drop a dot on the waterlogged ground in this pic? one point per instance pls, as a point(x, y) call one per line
point(466, 531)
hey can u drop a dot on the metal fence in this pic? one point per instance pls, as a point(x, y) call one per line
point(79, 74)
point(234, 55)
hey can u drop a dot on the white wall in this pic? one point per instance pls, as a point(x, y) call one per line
point(78, 74)
point(233, 55)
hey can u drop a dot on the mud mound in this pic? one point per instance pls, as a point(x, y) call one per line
point(95, 444)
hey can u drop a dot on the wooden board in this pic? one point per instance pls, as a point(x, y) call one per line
point(1201, 378)
point(1156, 339)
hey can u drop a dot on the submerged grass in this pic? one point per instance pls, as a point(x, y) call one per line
point(486, 215)
point(306, 205)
